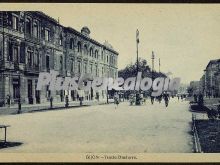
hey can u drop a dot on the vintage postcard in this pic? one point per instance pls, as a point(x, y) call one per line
point(109, 82)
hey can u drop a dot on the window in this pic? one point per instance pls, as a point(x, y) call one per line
point(30, 57)
point(28, 26)
point(35, 30)
point(15, 22)
point(10, 51)
point(102, 71)
point(91, 52)
point(36, 59)
point(79, 47)
point(107, 58)
point(71, 43)
point(47, 62)
point(61, 40)
point(61, 63)
point(71, 65)
point(102, 56)
point(96, 54)
point(85, 50)
point(90, 68)
point(96, 70)
point(85, 67)
point(79, 67)
point(47, 35)
point(15, 54)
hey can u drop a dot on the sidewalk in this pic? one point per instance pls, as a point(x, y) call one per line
point(211, 101)
point(46, 106)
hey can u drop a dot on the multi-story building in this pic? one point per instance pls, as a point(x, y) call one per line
point(33, 42)
point(212, 79)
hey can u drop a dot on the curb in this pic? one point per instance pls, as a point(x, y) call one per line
point(197, 145)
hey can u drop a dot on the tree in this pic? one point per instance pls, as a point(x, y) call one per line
point(131, 70)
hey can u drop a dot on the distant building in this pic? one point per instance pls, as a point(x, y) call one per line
point(194, 88)
point(202, 84)
point(182, 89)
point(33, 42)
point(212, 79)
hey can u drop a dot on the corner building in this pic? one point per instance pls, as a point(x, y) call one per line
point(32, 42)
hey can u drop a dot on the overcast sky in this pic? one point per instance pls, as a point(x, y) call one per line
point(184, 36)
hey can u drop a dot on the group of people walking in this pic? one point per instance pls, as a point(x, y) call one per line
point(165, 96)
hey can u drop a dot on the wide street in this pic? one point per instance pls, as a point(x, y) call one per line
point(103, 129)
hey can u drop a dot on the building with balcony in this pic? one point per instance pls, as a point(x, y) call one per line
point(32, 42)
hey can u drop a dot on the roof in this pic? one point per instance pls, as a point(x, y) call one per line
point(216, 61)
point(46, 16)
point(90, 39)
point(42, 14)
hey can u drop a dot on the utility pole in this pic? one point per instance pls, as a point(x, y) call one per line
point(153, 57)
point(159, 65)
point(137, 42)
point(137, 39)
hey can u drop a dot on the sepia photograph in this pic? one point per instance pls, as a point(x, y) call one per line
point(109, 82)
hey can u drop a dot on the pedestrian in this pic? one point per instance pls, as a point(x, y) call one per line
point(8, 100)
point(166, 99)
point(200, 100)
point(195, 98)
point(116, 100)
point(152, 99)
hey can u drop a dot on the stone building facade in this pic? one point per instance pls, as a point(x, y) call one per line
point(32, 42)
point(212, 78)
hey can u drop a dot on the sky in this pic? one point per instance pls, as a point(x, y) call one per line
point(184, 36)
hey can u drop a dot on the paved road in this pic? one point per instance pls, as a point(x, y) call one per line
point(102, 128)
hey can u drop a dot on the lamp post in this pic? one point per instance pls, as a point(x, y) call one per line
point(107, 94)
point(137, 102)
point(159, 65)
point(153, 57)
point(19, 92)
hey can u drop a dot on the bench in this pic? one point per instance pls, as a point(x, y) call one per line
point(5, 127)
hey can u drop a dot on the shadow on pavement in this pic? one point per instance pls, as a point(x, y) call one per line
point(9, 144)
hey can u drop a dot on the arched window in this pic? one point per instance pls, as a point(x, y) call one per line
point(91, 52)
point(28, 26)
point(79, 47)
point(71, 43)
point(35, 29)
point(96, 54)
point(85, 49)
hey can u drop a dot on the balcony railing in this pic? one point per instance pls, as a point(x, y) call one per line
point(32, 68)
